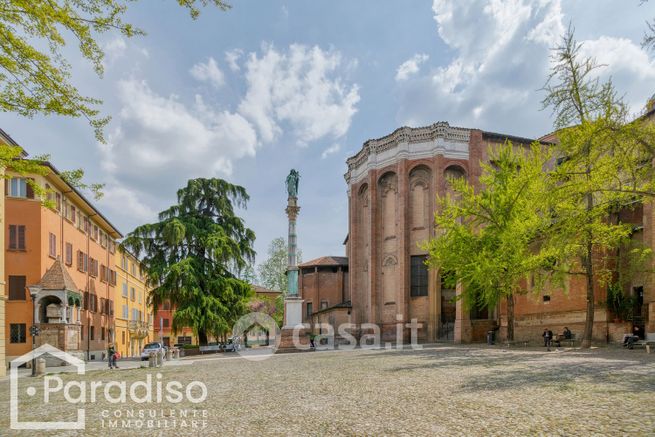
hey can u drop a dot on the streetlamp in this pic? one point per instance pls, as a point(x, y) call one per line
point(34, 330)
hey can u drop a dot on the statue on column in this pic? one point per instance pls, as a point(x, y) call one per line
point(292, 183)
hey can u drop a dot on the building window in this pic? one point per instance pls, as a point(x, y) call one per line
point(132, 294)
point(93, 267)
point(17, 288)
point(16, 237)
point(166, 306)
point(167, 341)
point(82, 328)
point(165, 323)
point(17, 333)
point(52, 245)
point(184, 340)
point(133, 269)
point(82, 261)
point(124, 263)
point(140, 297)
point(102, 333)
point(123, 337)
point(308, 310)
point(58, 201)
point(419, 276)
point(69, 254)
point(94, 235)
point(124, 289)
point(125, 312)
point(324, 304)
point(91, 333)
point(73, 214)
point(546, 298)
point(19, 187)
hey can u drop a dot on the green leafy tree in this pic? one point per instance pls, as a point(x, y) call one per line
point(604, 167)
point(486, 238)
point(273, 271)
point(192, 254)
point(34, 74)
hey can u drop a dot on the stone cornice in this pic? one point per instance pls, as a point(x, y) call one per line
point(437, 138)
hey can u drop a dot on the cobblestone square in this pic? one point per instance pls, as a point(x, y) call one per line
point(442, 390)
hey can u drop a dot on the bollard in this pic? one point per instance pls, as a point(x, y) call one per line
point(160, 358)
point(177, 353)
point(152, 359)
point(169, 354)
point(40, 366)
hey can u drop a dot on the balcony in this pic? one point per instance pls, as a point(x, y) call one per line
point(137, 328)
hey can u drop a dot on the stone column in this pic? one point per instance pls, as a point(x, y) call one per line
point(64, 313)
point(37, 311)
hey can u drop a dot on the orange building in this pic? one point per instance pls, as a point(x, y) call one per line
point(163, 328)
point(64, 255)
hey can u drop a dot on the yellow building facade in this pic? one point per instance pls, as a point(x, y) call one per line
point(134, 318)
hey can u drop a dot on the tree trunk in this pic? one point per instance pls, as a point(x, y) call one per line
point(510, 317)
point(202, 337)
point(589, 320)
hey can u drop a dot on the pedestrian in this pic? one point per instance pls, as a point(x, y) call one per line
point(312, 336)
point(111, 352)
point(548, 338)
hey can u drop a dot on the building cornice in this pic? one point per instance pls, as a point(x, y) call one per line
point(426, 142)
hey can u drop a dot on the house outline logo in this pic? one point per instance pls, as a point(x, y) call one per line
point(261, 320)
point(13, 382)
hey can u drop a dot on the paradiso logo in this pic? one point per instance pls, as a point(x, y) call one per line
point(80, 392)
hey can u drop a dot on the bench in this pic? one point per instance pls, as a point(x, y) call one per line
point(213, 348)
point(647, 344)
point(523, 343)
point(559, 339)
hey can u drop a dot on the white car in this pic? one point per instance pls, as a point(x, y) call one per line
point(152, 347)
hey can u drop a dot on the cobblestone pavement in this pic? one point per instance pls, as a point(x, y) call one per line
point(444, 390)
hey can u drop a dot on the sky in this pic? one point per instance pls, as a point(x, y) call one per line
point(248, 94)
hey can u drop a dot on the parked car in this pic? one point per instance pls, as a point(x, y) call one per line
point(152, 347)
point(233, 344)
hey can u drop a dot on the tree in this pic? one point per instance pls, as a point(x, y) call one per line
point(486, 238)
point(604, 167)
point(273, 271)
point(36, 80)
point(192, 256)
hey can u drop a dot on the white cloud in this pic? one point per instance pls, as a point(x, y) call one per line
point(300, 87)
point(208, 72)
point(627, 63)
point(334, 148)
point(158, 142)
point(501, 61)
point(232, 58)
point(410, 66)
point(114, 49)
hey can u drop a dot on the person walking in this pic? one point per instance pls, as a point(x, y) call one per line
point(548, 338)
point(111, 353)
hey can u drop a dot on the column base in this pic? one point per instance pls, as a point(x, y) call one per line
point(287, 344)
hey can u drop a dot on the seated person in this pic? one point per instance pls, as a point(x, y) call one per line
point(629, 340)
point(567, 333)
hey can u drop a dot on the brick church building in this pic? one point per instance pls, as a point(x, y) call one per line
point(393, 183)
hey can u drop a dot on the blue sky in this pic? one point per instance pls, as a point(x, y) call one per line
point(268, 86)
